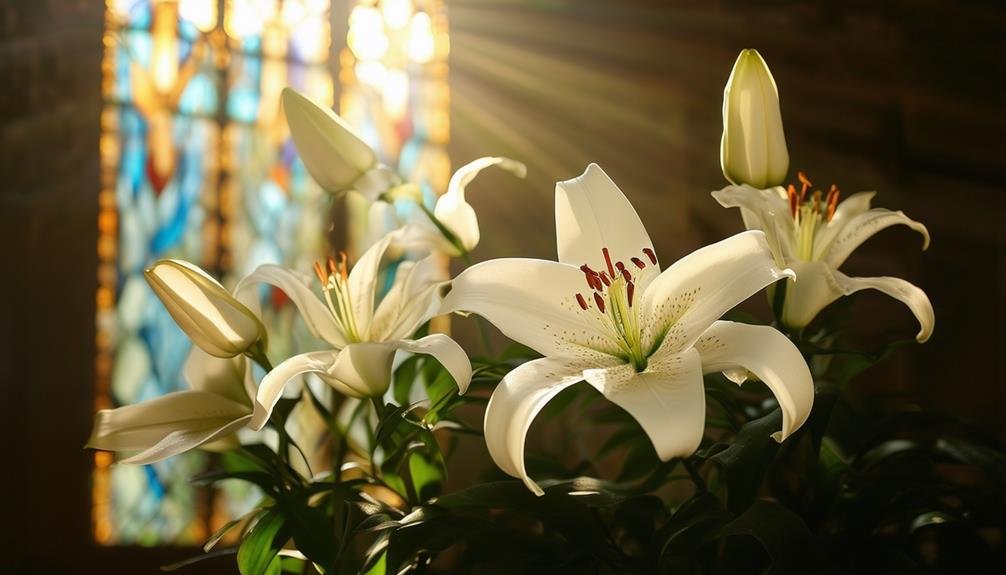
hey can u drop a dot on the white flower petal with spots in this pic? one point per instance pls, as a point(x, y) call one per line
point(605, 314)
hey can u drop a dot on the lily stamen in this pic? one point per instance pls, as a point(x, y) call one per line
point(649, 254)
point(334, 278)
point(810, 214)
point(599, 301)
point(613, 296)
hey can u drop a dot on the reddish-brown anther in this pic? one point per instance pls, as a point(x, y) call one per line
point(649, 253)
point(607, 260)
point(599, 301)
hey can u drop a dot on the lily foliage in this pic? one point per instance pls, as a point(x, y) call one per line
point(647, 453)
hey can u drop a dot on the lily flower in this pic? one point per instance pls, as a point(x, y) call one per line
point(335, 156)
point(363, 334)
point(753, 149)
point(211, 317)
point(217, 405)
point(813, 234)
point(605, 313)
point(455, 229)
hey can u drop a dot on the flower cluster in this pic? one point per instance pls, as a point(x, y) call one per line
point(605, 312)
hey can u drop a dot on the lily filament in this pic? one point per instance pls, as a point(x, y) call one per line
point(335, 286)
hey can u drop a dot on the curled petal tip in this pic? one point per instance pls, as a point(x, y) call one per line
point(787, 273)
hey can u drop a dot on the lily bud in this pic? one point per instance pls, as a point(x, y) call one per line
point(753, 148)
point(211, 317)
point(332, 152)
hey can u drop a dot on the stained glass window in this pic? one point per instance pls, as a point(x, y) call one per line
point(394, 90)
point(197, 164)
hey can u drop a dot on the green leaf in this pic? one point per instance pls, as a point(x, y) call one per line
point(405, 377)
point(427, 477)
point(312, 530)
point(216, 537)
point(746, 461)
point(681, 541)
point(779, 531)
point(198, 558)
point(257, 554)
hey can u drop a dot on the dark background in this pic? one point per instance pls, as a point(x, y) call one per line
point(901, 97)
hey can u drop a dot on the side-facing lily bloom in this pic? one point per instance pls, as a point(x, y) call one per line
point(454, 213)
point(363, 340)
point(218, 404)
point(813, 234)
point(333, 154)
point(605, 313)
point(753, 149)
point(211, 317)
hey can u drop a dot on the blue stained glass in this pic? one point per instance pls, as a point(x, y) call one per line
point(199, 97)
point(165, 155)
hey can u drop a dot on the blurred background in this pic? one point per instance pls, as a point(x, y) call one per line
point(138, 129)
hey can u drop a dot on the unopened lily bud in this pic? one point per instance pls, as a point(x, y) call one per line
point(753, 148)
point(211, 317)
point(332, 152)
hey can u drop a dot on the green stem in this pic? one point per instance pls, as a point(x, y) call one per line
point(257, 354)
point(700, 483)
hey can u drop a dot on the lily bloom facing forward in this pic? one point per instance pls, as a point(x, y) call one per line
point(362, 333)
point(605, 314)
point(814, 234)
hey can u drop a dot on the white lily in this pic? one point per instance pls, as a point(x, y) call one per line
point(456, 229)
point(605, 313)
point(813, 234)
point(211, 317)
point(363, 334)
point(217, 405)
point(753, 149)
point(335, 156)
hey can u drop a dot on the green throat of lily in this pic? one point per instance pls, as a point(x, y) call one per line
point(612, 294)
point(810, 213)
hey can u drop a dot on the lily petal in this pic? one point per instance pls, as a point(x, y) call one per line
point(296, 286)
point(847, 209)
point(454, 212)
point(591, 213)
point(862, 227)
point(531, 302)
point(901, 290)
point(819, 285)
point(768, 354)
point(763, 210)
point(517, 400)
point(446, 351)
point(363, 282)
point(412, 300)
point(667, 399)
point(699, 288)
point(271, 388)
point(224, 377)
point(167, 425)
